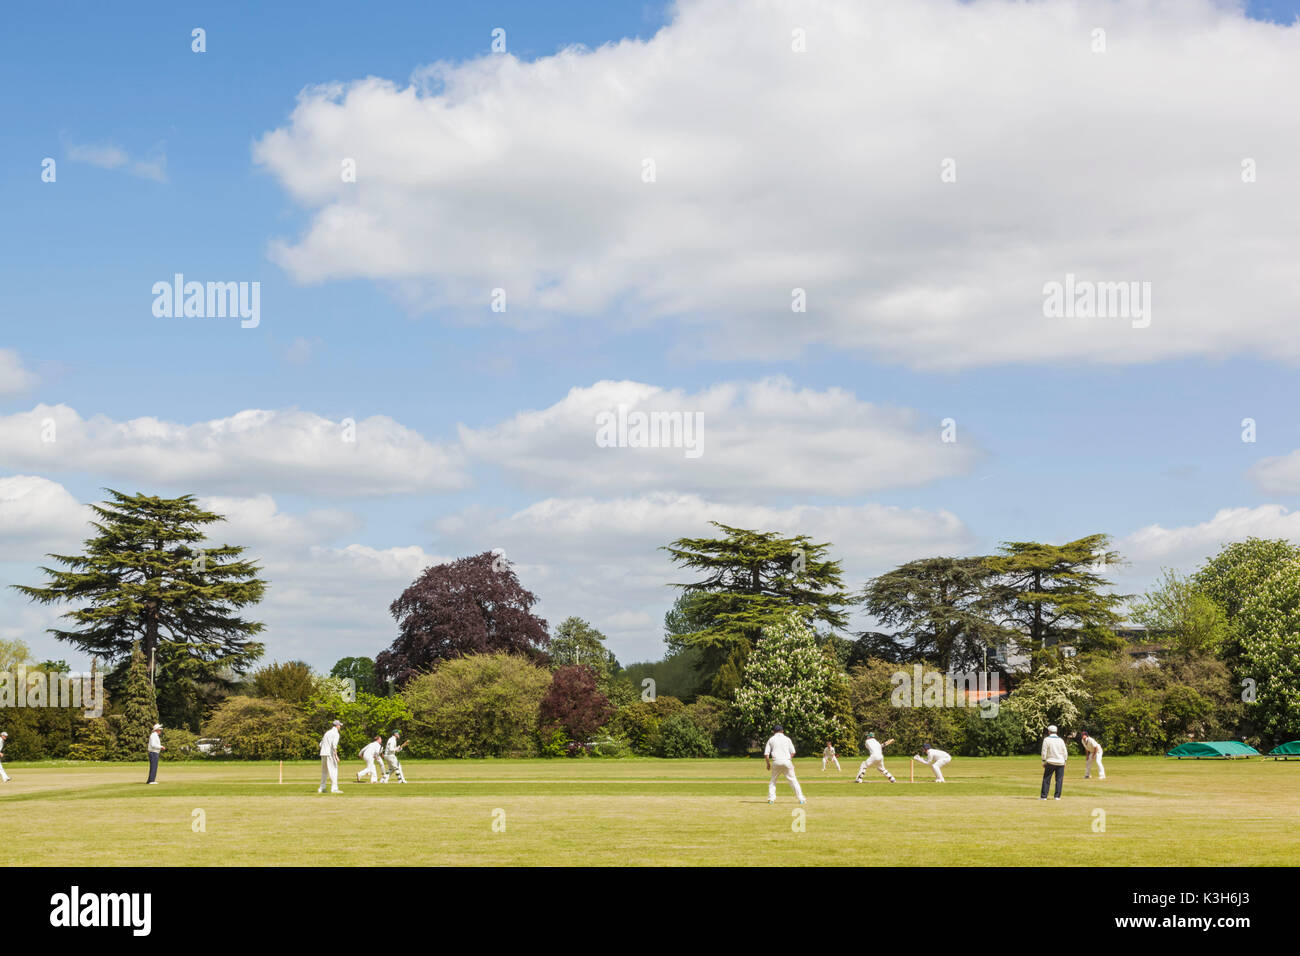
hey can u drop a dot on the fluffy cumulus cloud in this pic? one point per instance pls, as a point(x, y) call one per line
point(14, 379)
point(38, 516)
point(601, 559)
point(728, 440)
point(250, 452)
point(1186, 547)
point(776, 169)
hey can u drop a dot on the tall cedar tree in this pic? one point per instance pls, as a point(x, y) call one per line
point(1052, 592)
point(137, 708)
point(754, 580)
point(942, 608)
point(149, 576)
point(473, 605)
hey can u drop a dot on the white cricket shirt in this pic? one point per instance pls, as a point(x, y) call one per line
point(779, 748)
point(370, 752)
point(155, 743)
point(330, 742)
point(873, 747)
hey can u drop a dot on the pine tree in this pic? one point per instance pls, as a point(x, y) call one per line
point(754, 579)
point(791, 680)
point(942, 607)
point(148, 576)
point(1052, 592)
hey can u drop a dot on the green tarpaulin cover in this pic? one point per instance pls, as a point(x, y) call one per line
point(1289, 749)
point(1213, 748)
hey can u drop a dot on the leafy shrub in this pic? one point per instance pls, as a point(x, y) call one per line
point(611, 747)
point(181, 744)
point(481, 705)
point(681, 737)
point(638, 723)
point(1000, 735)
point(94, 741)
point(554, 743)
point(262, 728)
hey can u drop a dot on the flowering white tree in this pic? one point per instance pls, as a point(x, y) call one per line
point(1051, 695)
point(790, 680)
point(1270, 643)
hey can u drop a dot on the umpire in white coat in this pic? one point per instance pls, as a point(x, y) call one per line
point(155, 751)
point(1054, 757)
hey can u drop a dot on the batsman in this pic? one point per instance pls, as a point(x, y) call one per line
point(391, 762)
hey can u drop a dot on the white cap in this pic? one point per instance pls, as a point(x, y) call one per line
point(338, 723)
point(157, 726)
point(1051, 729)
point(4, 733)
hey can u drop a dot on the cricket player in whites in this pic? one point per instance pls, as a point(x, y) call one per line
point(875, 757)
point(936, 759)
point(4, 777)
point(391, 763)
point(1094, 752)
point(370, 757)
point(829, 754)
point(779, 756)
point(329, 759)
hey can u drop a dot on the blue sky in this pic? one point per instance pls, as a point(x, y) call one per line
point(817, 170)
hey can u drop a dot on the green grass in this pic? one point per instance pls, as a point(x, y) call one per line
point(1158, 812)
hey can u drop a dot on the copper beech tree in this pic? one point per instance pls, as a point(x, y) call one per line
point(473, 605)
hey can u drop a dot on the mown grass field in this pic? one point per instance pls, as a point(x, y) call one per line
point(1157, 812)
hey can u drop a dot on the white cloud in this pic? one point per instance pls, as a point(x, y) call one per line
point(258, 522)
point(38, 516)
point(764, 435)
point(1185, 548)
point(600, 559)
point(253, 451)
point(110, 156)
point(14, 379)
point(1277, 475)
point(821, 170)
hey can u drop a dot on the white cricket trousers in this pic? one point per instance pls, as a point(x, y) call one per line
point(329, 772)
point(878, 763)
point(1094, 757)
point(394, 766)
point(371, 771)
point(787, 768)
point(835, 759)
point(938, 766)
point(4, 777)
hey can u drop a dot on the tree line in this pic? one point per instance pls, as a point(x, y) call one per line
point(759, 632)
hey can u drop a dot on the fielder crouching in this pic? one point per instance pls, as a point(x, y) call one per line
point(937, 759)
